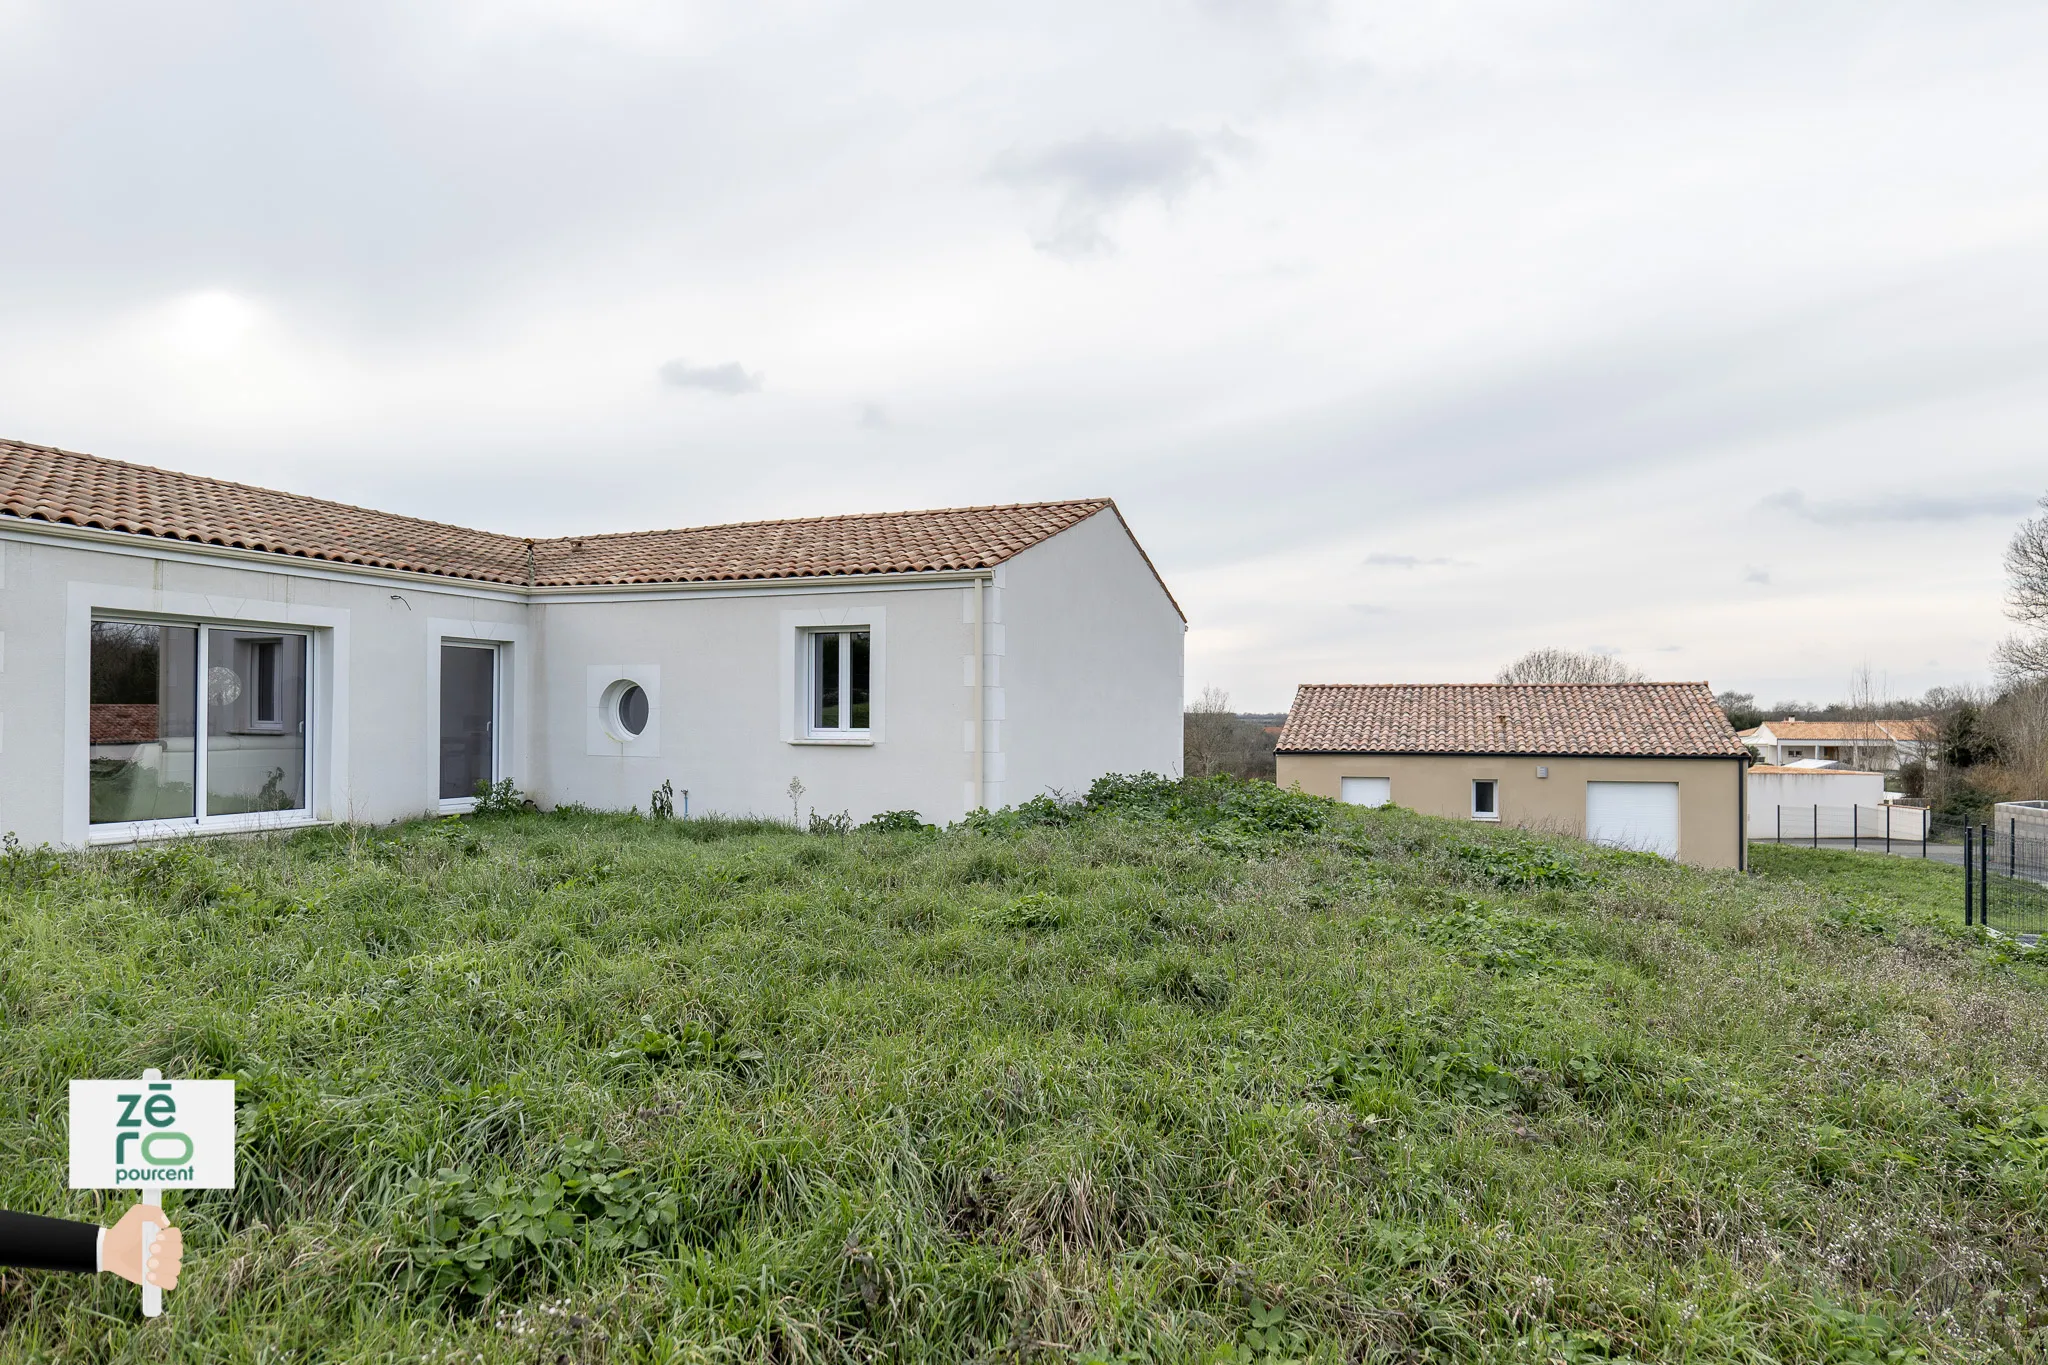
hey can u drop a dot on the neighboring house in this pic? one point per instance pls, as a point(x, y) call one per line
point(184, 655)
point(1874, 745)
point(1652, 766)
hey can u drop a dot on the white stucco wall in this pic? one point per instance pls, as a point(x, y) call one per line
point(729, 710)
point(1082, 675)
point(374, 733)
point(1827, 788)
point(1089, 655)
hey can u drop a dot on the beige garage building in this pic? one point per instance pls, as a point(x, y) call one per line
point(1651, 766)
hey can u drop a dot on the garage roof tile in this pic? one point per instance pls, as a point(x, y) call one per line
point(1632, 720)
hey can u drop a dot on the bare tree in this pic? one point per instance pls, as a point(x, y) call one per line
point(1206, 733)
point(1216, 739)
point(2025, 656)
point(2020, 718)
point(1868, 702)
point(1567, 666)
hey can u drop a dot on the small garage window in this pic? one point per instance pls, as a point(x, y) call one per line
point(1485, 799)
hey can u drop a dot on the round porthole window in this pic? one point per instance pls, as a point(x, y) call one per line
point(633, 710)
point(625, 709)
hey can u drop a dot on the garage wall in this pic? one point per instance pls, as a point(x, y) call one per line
point(1709, 791)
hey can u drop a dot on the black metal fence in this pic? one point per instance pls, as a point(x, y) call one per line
point(1883, 829)
point(2005, 878)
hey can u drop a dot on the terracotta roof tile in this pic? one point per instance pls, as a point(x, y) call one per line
point(878, 542)
point(1851, 731)
point(43, 483)
point(1670, 720)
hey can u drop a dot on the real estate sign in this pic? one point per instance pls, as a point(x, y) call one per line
point(155, 1134)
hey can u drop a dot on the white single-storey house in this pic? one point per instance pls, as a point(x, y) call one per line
point(1871, 745)
point(183, 655)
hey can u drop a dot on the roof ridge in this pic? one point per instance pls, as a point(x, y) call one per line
point(518, 541)
point(1658, 682)
point(1097, 503)
point(69, 487)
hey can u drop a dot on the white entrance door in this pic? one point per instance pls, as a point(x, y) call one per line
point(1367, 791)
point(1638, 815)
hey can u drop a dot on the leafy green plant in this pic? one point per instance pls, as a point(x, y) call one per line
point(478, 1236)
point(498, 798)
point(1034, 910)
point(25, 867)
point(1519, 863)
point(685, 1044)
point(1266, 1340)
point(897, 822)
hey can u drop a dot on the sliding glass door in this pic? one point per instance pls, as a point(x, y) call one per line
point(142, 757)
point(469, 719)
point(255, 722)
point(177, 710)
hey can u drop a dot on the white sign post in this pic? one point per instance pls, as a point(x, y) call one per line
point(152, 1135)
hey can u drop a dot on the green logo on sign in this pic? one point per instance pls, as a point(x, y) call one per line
point(159, 1110)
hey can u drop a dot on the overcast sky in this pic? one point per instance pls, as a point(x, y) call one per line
point(1408, 336)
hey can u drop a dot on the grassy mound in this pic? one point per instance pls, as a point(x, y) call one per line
point(1193, 1072)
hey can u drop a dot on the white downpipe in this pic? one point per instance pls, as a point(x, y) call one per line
point(980, 730)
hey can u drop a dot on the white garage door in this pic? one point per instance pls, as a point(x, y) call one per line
point(1367, 791)
point(1638, 815)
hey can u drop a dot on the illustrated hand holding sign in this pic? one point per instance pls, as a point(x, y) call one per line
point(152, 1135)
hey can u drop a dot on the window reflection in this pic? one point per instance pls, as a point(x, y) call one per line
point(143, 712)
point(255, 722)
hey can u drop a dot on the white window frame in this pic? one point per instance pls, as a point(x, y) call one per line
point(797, 624)
point(463, 805)
point(808, 649)
point(1478, 814)
point(199, 822)
point(513, 679)
point(603, 735)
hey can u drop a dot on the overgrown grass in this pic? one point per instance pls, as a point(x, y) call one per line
point(1206, 1071)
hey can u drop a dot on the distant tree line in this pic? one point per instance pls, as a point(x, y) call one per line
point(1215, 739)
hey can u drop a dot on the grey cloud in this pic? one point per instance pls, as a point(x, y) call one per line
point(1096, 177)
point(1386, 561)
point(1753, 574)
point(1370, 608)
point(1895, 507)
point(874, 417)
point(1547, 421)
point(729, 379)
